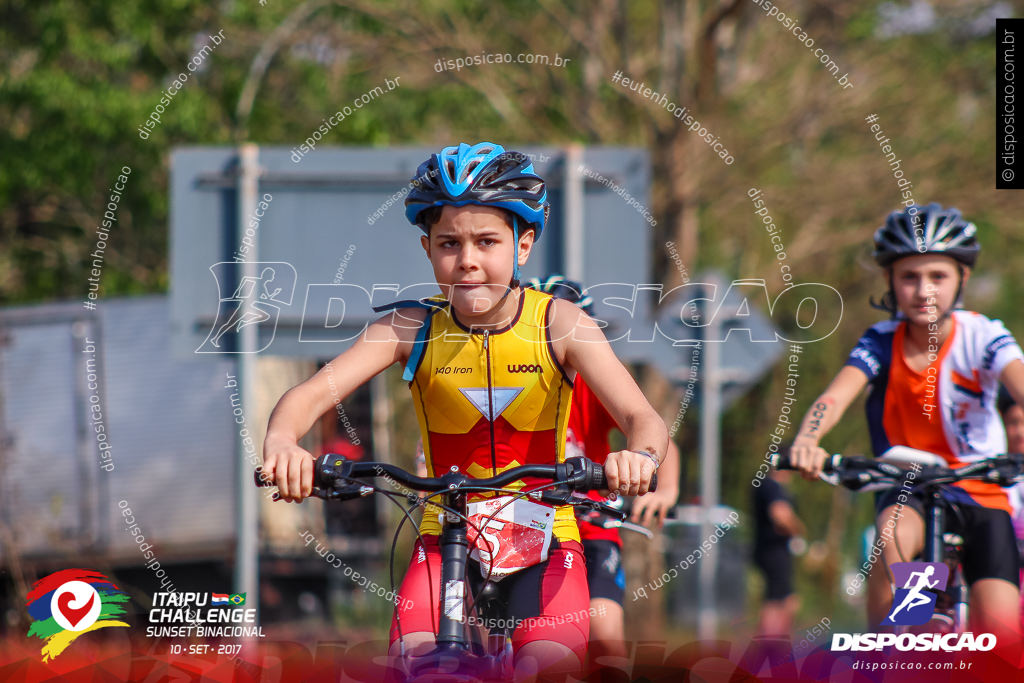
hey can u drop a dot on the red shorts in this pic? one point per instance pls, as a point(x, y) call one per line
point(549, 601)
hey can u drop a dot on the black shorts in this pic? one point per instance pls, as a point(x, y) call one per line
point(605, 575)
point(990, 545)
point(776, 564)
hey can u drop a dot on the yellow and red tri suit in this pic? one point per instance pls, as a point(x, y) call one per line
point(486, 402)
point(492, 400)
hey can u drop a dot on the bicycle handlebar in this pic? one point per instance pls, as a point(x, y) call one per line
point(855, 472)
point(332, 475)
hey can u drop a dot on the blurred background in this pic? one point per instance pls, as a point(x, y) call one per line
point(80, 80)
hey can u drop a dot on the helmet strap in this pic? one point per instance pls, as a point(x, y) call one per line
point(515, 253)
point(893, 308)
point(514, 283)
point(959, 292)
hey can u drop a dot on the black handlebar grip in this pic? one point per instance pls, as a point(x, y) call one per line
point(780, 461)
point(259, 480)
point(599, 481)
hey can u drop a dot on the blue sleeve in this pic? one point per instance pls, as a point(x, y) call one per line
point(871, 353)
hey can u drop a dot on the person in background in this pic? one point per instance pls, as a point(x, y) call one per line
point(587, 435)
point(1013, 423)
point(776, 526)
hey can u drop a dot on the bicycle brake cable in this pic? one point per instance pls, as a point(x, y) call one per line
point(391, 495)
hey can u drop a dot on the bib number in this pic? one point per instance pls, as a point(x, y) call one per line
point(514, 534)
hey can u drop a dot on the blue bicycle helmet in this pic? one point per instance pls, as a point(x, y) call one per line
point(484, 174)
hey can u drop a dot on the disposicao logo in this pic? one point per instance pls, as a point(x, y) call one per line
point(68, 603)
point(914, 604)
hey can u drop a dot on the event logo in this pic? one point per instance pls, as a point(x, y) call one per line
point(913, 605)
point(248, 301)
point(914, 602)
point(69, 603)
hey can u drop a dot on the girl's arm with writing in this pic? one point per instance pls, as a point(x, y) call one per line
point(805, 454)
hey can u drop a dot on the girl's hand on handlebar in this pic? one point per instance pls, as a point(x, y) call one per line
point(807, 457)
point(290, 468)
point(628, 473)
point(654, 506)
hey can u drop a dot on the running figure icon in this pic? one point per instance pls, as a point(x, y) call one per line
point(916, 583)
point(914, 596)
point(248, 300)
point(248, 311)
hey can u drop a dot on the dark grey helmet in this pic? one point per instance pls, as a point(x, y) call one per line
point(926, 230)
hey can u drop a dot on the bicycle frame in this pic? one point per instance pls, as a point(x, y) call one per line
point(934, 551)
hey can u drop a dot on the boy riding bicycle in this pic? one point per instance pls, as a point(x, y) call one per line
point(491, 368)
point(934, 373)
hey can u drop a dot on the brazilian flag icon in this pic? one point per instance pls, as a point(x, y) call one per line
point(237, 599)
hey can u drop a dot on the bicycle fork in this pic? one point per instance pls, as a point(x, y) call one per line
point(455, 550)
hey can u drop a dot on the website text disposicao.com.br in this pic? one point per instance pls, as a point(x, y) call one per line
point(459, 63)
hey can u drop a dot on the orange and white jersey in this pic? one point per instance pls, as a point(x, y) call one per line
point(949, 408)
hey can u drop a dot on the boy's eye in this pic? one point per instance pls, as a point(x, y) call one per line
point(487, 242)
point(448, 244)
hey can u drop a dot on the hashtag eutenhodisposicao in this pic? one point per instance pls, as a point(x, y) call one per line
point(680, 113)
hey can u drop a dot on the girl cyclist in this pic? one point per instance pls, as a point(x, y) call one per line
point(491, 368)
point(934, 373)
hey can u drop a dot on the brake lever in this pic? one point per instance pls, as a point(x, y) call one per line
point(612, 519)
point(611, 511)
point(1006, 473)
point(559, 497)
point(636, 528)
point(349, 492)
point(857, 480)
point(566, 497)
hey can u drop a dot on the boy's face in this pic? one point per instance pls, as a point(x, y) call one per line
point(1013, 421)
point(925, 286)
point(471, 249)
